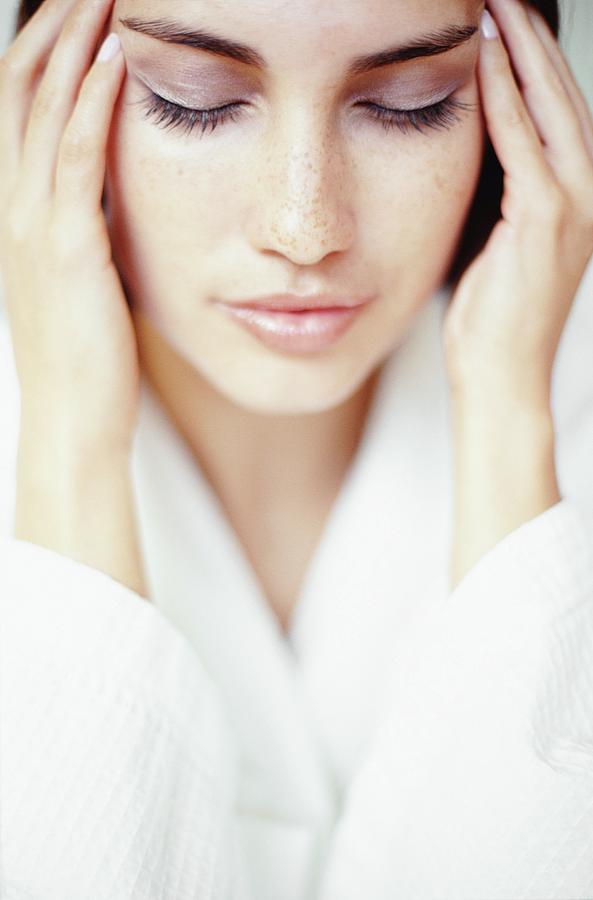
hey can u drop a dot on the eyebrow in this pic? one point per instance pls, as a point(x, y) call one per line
point(172, 32)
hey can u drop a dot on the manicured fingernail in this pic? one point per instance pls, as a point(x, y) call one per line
point(109, 48)
point(488, 26)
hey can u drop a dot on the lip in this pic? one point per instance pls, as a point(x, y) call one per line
point(309, 331)
point(297, 303)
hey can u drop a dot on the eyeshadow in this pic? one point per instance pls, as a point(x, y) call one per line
point(198, 86)
point(420, 80)
point(200, 83)
point(418, 90)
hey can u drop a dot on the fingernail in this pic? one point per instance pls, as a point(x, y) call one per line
point(109, 48)
point(488, 26)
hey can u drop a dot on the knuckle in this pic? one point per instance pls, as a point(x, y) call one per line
point(76, 148)
point(89, 96)
point(553, 82)
point(585, 218)
point(14, 228)
point(16, 223)
point(70, 226)
point(554, 203)
point(62, 241)
point(513, 117)
point(77, 23)
point(45, 103)
point(11, 67)
point(73, 29)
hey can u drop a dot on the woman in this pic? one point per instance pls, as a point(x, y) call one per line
point(343, 685)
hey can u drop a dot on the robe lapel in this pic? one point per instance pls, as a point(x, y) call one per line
point(384, 552)
point(303, 706)
point(199, 577)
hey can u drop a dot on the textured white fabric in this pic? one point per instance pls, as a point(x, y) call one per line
point(118, 776)
point(402, 741)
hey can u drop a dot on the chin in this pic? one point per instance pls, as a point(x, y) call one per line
point(294, 390)
point(287, 406)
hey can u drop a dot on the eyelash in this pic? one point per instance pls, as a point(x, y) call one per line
point(439, 115)
point(171, 115)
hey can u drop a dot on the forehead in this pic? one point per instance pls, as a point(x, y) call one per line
point(283, 28)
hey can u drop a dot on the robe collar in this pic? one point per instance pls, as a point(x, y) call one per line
point(303, 706)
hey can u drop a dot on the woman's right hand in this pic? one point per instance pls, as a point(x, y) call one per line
point(72, 333)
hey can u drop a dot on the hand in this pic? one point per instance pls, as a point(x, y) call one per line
point(507, 314)
point(74, 342)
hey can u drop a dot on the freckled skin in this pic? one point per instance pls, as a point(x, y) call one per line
point(301, 191)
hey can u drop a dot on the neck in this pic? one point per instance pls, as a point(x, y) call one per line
point(251, 460)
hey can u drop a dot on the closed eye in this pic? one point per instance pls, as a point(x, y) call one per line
point(169, 115)
point(438, 115)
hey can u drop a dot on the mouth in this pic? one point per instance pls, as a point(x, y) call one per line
point(300, 303)
point(305, 330)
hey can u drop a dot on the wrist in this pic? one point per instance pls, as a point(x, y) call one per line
point(501, 397)
point(504, 472)
point(66, 436)
point(58, 488)
point(503, 416)
point(504, 446)
point(79, 504)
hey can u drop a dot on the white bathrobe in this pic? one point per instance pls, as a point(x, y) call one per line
point(402, 742)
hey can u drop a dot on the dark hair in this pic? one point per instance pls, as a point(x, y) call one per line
point(484, 211)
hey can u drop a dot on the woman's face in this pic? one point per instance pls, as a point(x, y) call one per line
point(303, 190)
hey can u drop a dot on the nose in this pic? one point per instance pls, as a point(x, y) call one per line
point(300, 205)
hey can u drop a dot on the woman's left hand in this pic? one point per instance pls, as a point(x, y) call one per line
point(506, 316)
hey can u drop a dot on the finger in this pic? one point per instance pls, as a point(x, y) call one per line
point(80, 170)
point(570, 84)
point(57, 92)
point(543, 91)
point(512, 132)
point(18, 68)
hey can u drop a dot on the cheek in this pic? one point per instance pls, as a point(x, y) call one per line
point(168, 189)
point(422, 191)
point(156, 189)
point(166, 214)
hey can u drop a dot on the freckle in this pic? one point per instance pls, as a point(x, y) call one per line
point(439, 181)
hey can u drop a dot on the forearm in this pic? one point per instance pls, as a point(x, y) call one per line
point(504, 473)
point(78, 503)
